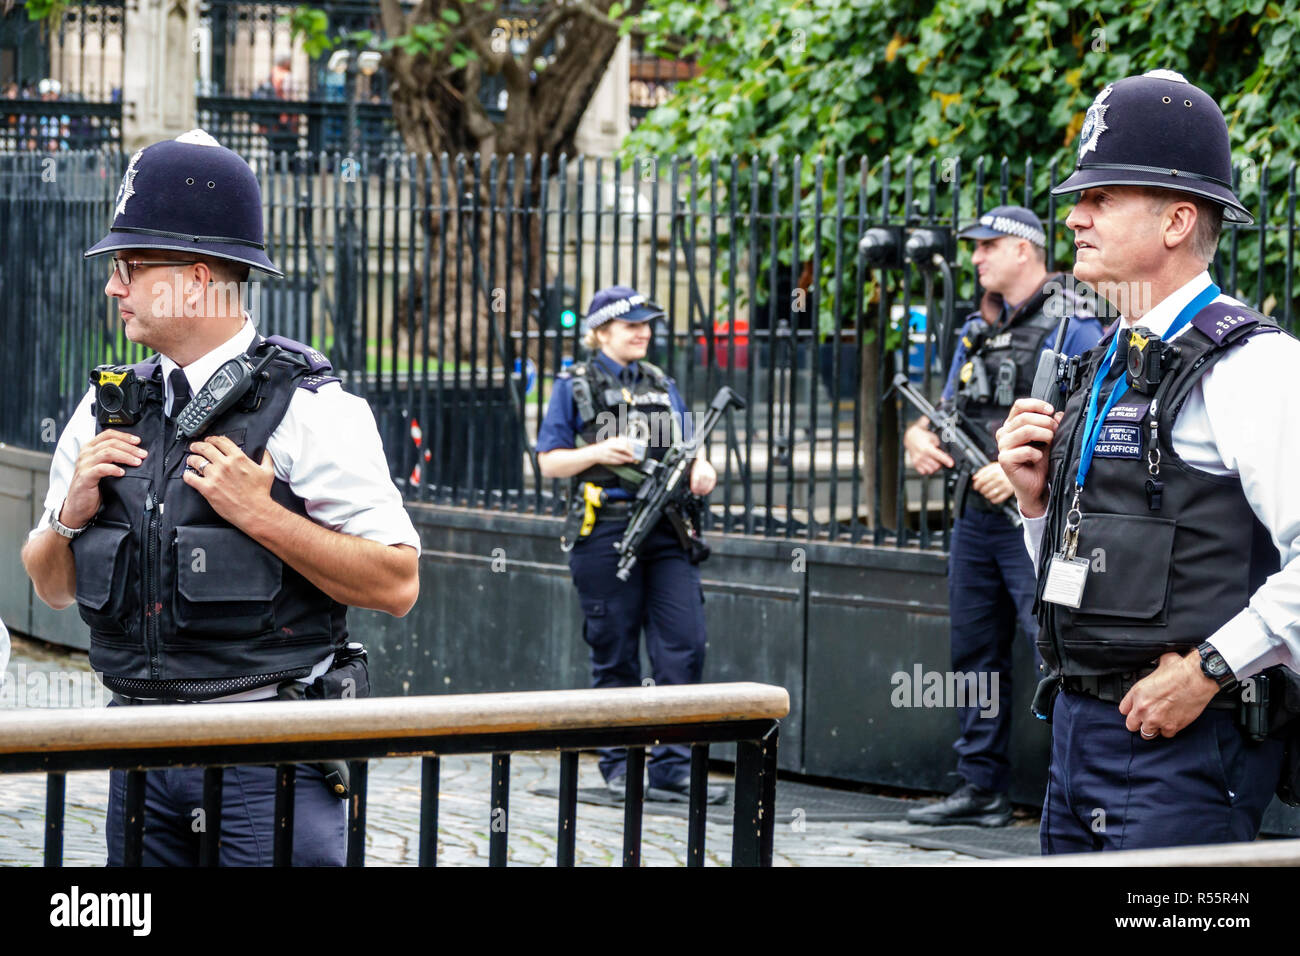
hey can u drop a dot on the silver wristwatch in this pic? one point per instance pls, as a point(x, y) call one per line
point(62, 528)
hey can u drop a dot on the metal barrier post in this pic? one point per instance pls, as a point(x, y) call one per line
point(55, 785)
point(755, 816)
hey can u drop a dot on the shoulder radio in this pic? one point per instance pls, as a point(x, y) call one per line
point(228, 386)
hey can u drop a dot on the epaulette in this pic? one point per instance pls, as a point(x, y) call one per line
point(1225, 322)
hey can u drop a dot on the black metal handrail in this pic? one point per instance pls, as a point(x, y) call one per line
point(286, 733)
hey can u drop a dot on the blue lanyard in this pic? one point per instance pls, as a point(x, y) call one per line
point(1093, 422)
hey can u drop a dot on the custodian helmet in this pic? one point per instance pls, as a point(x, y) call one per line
point(190, 194)
point(1157, 130)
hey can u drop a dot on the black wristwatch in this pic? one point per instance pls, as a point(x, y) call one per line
point(1215, 667)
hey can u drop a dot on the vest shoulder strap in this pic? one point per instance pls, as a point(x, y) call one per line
point(315, 361)
point(1037, 319)
point(148, 368)
point(582, 399)
point(313, 367)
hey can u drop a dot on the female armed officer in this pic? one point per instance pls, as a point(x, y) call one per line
point(606, 416)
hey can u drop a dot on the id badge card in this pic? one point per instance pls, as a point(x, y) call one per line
point(1066, 578)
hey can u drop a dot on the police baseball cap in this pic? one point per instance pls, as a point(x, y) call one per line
point(190, 194)
point(1002, 221)
point(1157, 130)
point(620, 302)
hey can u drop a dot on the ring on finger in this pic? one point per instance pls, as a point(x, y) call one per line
point(1147, 736)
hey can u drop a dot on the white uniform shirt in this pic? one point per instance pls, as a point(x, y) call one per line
point(1239, 420)
point(327, 447)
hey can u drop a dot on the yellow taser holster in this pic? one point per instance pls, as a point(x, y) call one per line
point(593, 497)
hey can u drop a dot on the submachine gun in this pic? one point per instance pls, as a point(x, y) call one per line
point(662, 488)
point(953, 433)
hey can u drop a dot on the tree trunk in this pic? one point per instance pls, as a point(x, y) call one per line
point(877, 415)
point(438, 110)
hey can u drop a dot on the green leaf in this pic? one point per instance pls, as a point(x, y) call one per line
point(451, 15)
point(1026, 71)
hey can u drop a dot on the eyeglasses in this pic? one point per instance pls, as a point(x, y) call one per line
point(126, 267)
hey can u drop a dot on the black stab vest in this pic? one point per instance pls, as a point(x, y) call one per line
point(181, 604)
point(1161, 579)
point(615, 409)
point(1016, 346)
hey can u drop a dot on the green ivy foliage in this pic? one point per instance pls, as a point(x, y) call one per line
point(945, 82)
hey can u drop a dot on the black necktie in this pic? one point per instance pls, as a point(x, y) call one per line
point(180, 391)
point(627, 376)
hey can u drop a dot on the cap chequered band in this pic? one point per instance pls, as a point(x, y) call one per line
point(612, 311)
point(1014, 227)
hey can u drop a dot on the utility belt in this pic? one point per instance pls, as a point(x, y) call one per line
point(347, 678)
point(1255, 711)
point(588, 504)
point(1113, 688)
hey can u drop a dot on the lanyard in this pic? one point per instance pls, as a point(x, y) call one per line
point(1092, 424)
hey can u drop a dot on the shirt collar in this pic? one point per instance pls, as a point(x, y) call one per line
point(1162, 316)
point(615, 367)
point(200, 370)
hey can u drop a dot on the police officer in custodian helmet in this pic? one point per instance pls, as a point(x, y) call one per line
point(1162, 516)
point(990, 579)
point(218, 564)
point(605, 416)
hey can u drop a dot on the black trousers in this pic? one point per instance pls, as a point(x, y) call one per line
point(662, 597)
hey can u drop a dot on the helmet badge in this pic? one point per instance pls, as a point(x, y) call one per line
point(1094, 123)
point(127, 189)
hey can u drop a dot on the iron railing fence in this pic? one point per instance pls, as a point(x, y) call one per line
point(285, 733)
point(444, 291)
point(61, 84)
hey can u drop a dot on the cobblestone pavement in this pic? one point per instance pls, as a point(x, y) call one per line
point(393, 805)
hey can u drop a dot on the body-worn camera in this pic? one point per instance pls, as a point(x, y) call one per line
point(119, 395)
point(1148, 358)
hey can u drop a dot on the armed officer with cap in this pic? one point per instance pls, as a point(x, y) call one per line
point(990, 579)
point(605, 416)
point(215, 509)
point(1161, 514)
